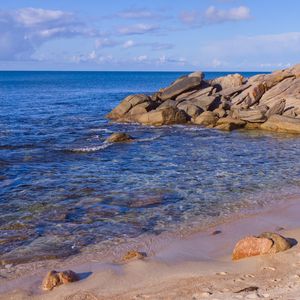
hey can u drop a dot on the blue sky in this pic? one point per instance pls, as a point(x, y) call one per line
point(210, 35)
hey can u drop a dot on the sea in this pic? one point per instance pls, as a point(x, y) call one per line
point(63, 188)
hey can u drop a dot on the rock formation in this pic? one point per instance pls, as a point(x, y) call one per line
point(265, 101)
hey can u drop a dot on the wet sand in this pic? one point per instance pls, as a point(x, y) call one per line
point(197, 266)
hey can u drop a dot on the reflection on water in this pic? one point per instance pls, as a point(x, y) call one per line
point(63, 188)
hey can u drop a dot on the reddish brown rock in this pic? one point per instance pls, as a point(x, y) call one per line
point(133, 255)
point(54, 279)
point(251, 246)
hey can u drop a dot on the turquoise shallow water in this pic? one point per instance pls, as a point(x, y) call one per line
point(62, 188)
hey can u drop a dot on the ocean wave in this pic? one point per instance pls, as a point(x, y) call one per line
point(148, 139)
point(90, 149)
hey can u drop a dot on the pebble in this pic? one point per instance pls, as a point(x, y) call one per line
point(206, 294)
point(297, 276)
point(249, 276)
point(265, 295)
point(270, 268)
point(8, 266)
point(222, 273)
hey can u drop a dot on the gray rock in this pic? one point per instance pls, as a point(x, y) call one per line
point(129, 102)
point(256, 115)
point(182, 85)
point(191, 109)
point(195, 94)
point(276, 109)
point(207, 102)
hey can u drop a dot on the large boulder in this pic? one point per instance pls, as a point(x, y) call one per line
point(282, 124)
point(126, 105)
point(180, 86)
point(277, 108)
point(207, 102)
point(249, 96)
point(230, 91)
point(229, 124)
point(190, 95)
point(167, 116)
point(207, 118)
point(256, 115)
point(190, 108)
point(251, 246)
point(229, 81)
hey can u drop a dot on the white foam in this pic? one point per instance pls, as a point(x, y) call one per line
point(91, 149)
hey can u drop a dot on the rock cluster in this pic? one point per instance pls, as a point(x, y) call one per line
point(54, 278)
point(266, 243)
point(265, 101)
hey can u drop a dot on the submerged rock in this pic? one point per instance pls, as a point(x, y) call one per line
point(119, 137)
point(134, 255)
point(54, 279)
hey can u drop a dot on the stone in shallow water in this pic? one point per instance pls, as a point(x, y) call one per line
point(54, 278)
point(133, 255)
point(119, 137)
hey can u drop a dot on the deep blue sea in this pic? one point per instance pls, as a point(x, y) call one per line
point(62, 188)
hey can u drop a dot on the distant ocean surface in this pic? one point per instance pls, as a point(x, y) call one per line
point(62, 188)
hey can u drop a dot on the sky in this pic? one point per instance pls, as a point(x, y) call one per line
point(149, 35)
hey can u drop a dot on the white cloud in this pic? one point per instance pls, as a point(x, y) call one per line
point(137, 29)
point(106, 42)
point(24, 30)
point(141, 58)
point(138, 14)
point(213, 15)
point(34, 16)
point(128, 44)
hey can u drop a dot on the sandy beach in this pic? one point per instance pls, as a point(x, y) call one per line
point(198, 266)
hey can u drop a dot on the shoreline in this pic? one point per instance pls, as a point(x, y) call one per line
point(183, 258)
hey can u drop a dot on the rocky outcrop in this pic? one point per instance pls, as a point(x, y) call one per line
point(265, 101)
point(54, 279)
point(266, 243)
